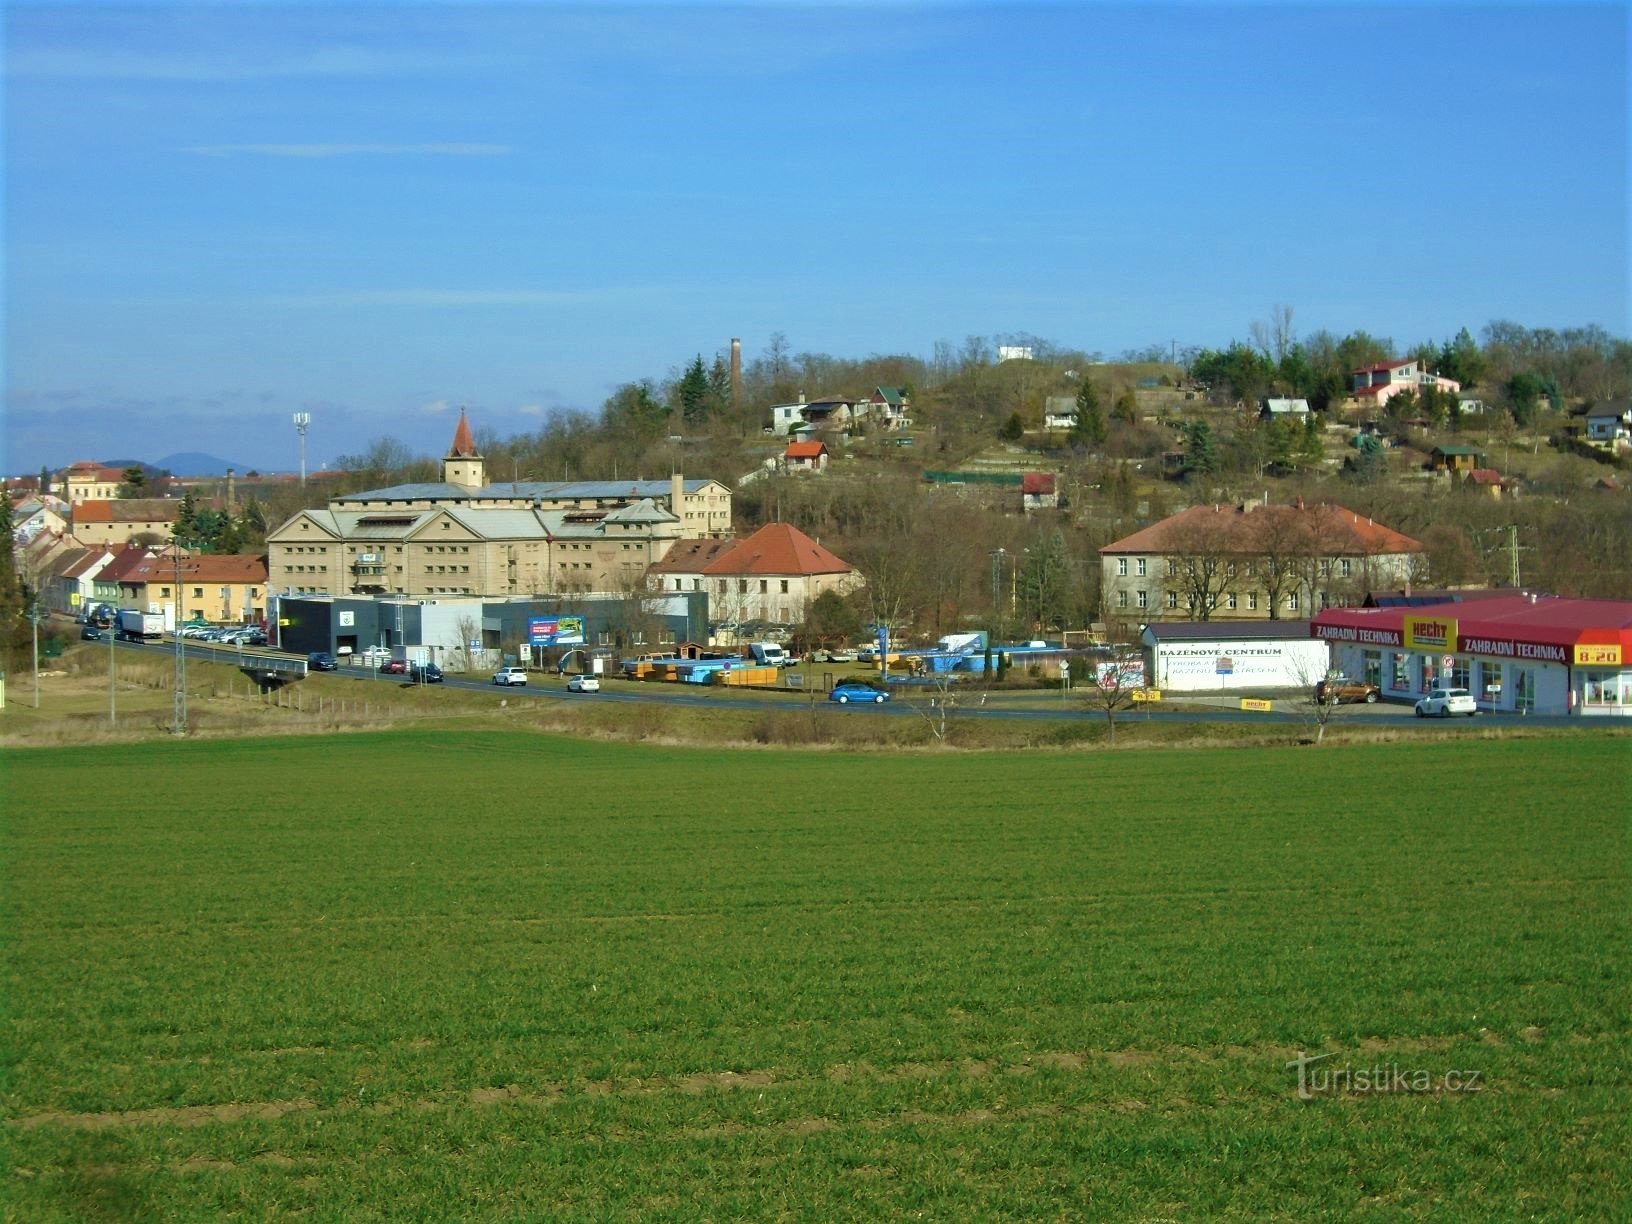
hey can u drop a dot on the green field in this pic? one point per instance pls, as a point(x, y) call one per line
point(454, 975)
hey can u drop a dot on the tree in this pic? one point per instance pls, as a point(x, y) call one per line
point(1524, 391)
point(830, 619)
point(1089, 430)
point(134, 483)
point(1311, 446)
point(1274, 337)
point(1109, 684)
point(1126, 408)
point(1460, 359)
point(1013, 429)
point(1200, 459)
point(1043, 581)
point(691, 392)
point(14, 629)
point(1201, 554)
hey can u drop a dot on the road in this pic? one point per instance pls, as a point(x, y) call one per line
point(903, 704)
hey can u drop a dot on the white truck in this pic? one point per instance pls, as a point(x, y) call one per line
point(769, 654)
point(135, 626)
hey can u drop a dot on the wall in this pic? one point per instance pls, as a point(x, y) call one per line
point(1194, 666)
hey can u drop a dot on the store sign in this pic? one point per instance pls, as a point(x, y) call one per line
point(1352, 633)
point(1598, 656)
point(555, 630)
point(1435, 633)
point(1512, 648)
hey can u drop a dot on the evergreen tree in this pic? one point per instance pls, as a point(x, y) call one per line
point(1200, 458)
point(1089, 431)
point(719, 386)
point(692, 392)
point(1126, 408)
point(186, 529)
point(1013, 429)
point(134, 483)
point(13, 598)
point(1311, 447)
point(45, 480)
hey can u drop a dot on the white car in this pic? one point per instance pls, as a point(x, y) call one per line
point(1443, 702)
point(510, 675)
point(584, 684)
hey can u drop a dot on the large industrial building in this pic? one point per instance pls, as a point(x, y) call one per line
point(466, 537)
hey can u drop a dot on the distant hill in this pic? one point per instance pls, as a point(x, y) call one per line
point(196, 463)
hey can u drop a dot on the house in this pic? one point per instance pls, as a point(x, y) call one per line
point(91, 481)
point(1376, 385)
point(1454, 459)
point(1284, 409)
point(221, 588)
point(110, 522)
point(889, 407)
point(1059, 412)
point(125, 560)
point(771, 577)
point(1015, 352)
point(805, 457)
point(73, 589)
point(1610, 424)
point(1469, 404)
point(1252, 562)
point(1038, 491)
point(34, 516)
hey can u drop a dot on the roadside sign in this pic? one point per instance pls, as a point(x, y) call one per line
point(1254, 703)
point(1147, 694)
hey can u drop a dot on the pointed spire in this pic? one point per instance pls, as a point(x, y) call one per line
point(464, 446)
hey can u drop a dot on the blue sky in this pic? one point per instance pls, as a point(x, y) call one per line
point(216, 216)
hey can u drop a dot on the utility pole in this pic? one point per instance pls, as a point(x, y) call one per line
point(178, 724)
point(113, 711)
point(302, 420)
point(34, 619)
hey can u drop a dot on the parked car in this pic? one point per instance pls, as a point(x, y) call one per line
point(321, 660)
point(855, 690)
point(1443, 702)
point(374, 656)
point(425, 673)
point(867, 654)
point(1338, 690)
point(510, 675)
point(584, 684)
point(90, 634)
point(841, 656)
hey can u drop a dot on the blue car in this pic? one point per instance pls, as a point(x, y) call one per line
point(857, 690)
point(321, 660)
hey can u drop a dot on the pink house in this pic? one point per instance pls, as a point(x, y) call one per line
point(1375, 386)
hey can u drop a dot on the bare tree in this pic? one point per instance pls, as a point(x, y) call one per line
point(1112, 683)
point(1315, 705)
point(1201, 554)
point(1274, 336)
point(469, 629)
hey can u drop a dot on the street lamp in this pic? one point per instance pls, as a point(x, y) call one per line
point(34, 619)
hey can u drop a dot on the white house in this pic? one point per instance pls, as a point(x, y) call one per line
point(1611, 424)
point(1060, 412)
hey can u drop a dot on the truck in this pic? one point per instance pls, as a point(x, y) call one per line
point(769, 654)
point(139, 626)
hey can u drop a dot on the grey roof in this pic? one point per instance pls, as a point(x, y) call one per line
point(1225, 631)
point(643, 511)
point(412, 492)
point(550, 489)
point(498, 524)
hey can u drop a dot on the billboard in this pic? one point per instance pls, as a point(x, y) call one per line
point(555, 631)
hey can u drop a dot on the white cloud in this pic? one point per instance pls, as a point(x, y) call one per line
point(454, 297)
point(353, 150)
point(534, 410)
point(435, 408)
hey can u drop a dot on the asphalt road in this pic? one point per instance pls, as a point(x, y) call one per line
point(970, 704)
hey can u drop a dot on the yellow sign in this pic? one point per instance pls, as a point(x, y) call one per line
point(1255, 703)
point(1598, 656)
point(1147, 694)
point(1433, 633)
point(73, 599)
point(284, 620)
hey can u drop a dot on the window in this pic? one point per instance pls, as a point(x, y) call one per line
point(1345, 567)
point(784, 586)
point(1172, 599)
point(1371, 667)
point(1121, 567)
point(1229, 601)
point(742, 586)
point(1172, 568)
point(1139, 567)
point(1292, 602)
point(1400, 673)
point(1325, 567)
point(1252, 601)
point(1144, 600)
point(198, 592)
point(1121, 599)
point(764, 586)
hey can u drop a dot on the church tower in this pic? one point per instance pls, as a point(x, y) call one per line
point(463, 466)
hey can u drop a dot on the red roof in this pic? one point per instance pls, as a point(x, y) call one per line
point(88, 558)
point(1485, 476)
point(206, 567)
point(1037, 482)
point(777, 548)
point(1337, 530)
point(125, 561)
point(127, 510)
point(690, 556)
point(464, 446)
point(1537, 619)
point(805, 450)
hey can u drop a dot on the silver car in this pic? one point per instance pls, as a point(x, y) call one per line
point(1443, 702)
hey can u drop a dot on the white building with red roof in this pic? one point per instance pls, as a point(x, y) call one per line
point(772, 576)
point(1519, 653)
point(1375, 385)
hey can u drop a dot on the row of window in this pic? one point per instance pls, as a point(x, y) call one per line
point(1344, 567)
point(1229, 600)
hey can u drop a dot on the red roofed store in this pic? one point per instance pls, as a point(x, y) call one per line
point(1533, 654)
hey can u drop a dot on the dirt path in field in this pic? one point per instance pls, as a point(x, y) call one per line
point(701, 1083)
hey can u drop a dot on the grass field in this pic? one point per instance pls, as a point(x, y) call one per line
point(496, 973)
